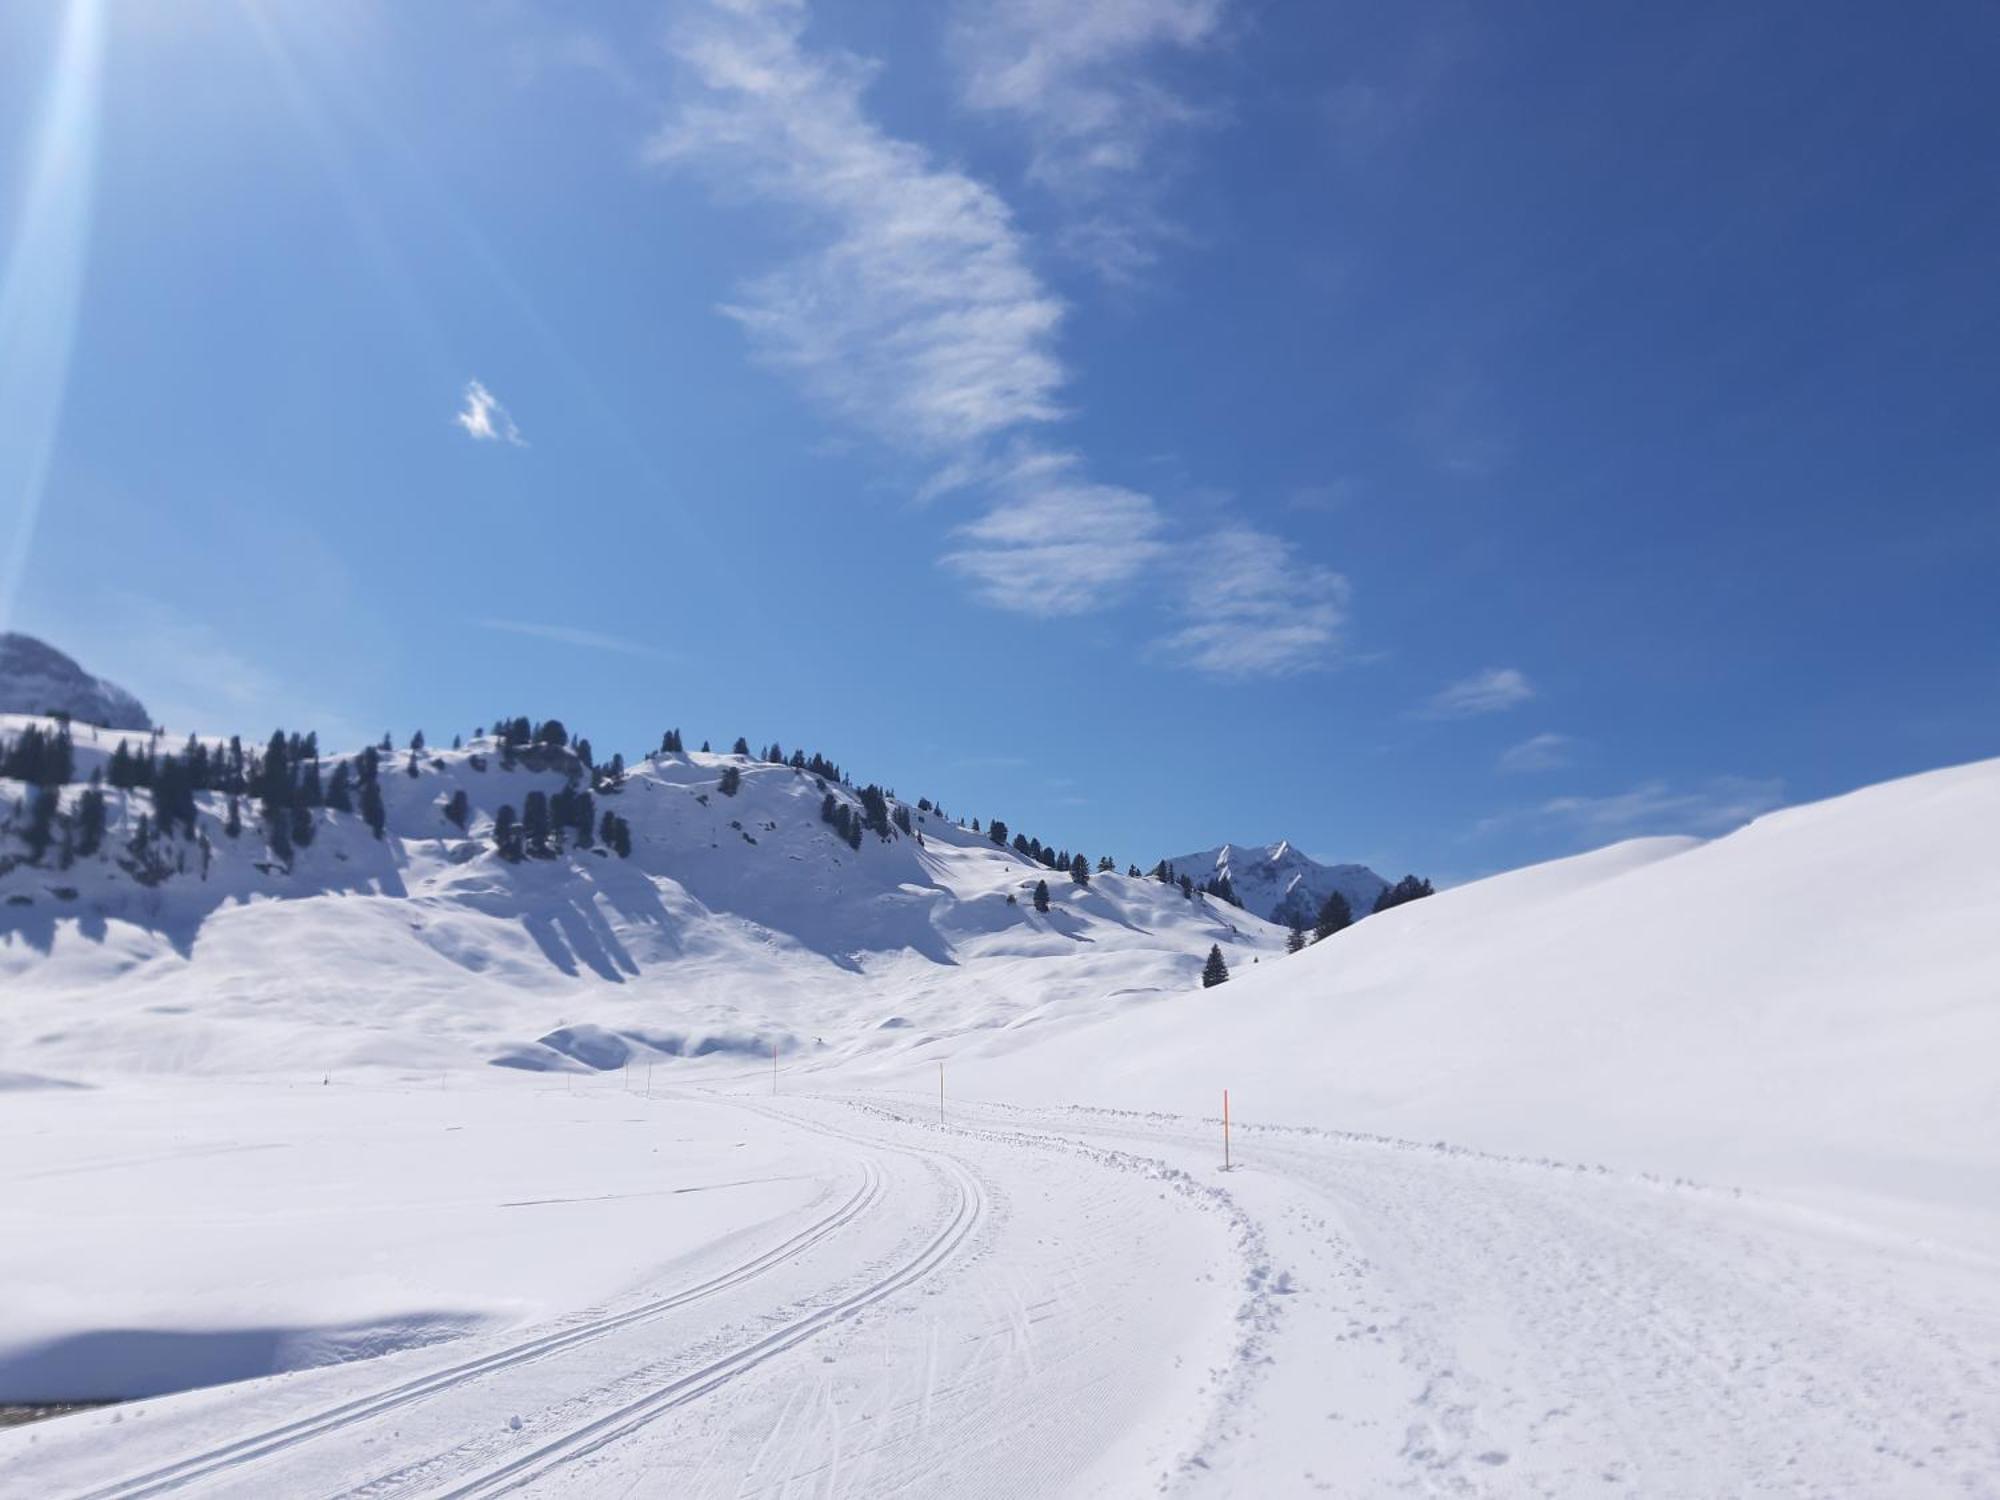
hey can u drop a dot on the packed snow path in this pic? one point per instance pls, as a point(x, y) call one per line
point(1080, 1302)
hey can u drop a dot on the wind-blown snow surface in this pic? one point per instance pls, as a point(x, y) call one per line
point(1681, 1180)
point(1279, 883)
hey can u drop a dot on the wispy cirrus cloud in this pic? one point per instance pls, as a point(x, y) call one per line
point(574, 635)
point(1078, 76)
point(1492, 691)
point(1060, 543)
point(1715, 806)
point(1539, 752)
point(914, 313)
point(485, 420)
point(1257, 611)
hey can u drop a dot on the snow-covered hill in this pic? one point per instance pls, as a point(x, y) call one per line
point(1810, 1004)
point(1279, 883)
point(35, 678)
point(1670, 1169)
point(736, 921)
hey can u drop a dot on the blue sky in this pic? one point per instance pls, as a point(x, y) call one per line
point(1440, 435)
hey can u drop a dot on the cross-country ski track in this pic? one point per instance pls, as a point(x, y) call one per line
point(1026, 1302)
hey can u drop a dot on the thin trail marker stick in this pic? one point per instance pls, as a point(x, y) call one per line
point(1225, 1130)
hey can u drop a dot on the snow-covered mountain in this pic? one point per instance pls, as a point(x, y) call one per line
point(1279, 883)
point(35, 678)
point(738, 918)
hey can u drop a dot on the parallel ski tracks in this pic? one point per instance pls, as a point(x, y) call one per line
point(582, 1441)
point(273, 1440)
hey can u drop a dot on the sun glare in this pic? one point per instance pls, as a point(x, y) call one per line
point(43, 284)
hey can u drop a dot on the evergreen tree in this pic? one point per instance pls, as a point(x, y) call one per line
point(731, 780)
point(1334, 914)
point(902, 819)
point(1079, 870)
point(741, 747)
point(40, 831)
point(459, 809)
point(233, 823)
point(1296, 938)
point(1215, 971)
point(1409, 888)
point(302, 825)
point(1041, 895)
point(337, 795)
point(997, 831)
point(506, 834)
point(90, 818)
point(1187, 887)
point(372, 811)
point(536, 825)
point(875, 810)
point(417, 742)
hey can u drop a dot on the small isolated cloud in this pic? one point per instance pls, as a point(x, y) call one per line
point(1257, 611)
point(1541, 752)
point(574, 635)
point(485, 420)
point(1491, 691)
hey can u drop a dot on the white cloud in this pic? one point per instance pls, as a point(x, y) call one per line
point(917, 315)
point(1256, 610)
point(914, 312)
point(573, 635)
point(1056, 543)
point(1074, 74)
point(485, 420)
point(1490, 691)
point(1720, 804)
point(1540, 752)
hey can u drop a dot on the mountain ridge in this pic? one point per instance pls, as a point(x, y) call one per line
point(1281, 883)
point(36, 678)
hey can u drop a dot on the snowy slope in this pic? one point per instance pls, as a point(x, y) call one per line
point(1279, 883)
point(1668, 1170)
point(1811, 1003)
point(738, 921)
point(35, 678)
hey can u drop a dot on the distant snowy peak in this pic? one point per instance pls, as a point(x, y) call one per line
point(35, 678)
point(1279, 883)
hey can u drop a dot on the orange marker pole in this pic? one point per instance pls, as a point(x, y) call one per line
point(1225, 1130)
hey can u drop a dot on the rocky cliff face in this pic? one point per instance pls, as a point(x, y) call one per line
point(35, 678)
